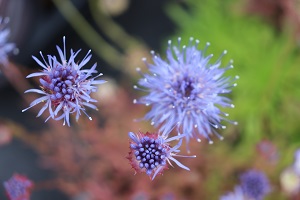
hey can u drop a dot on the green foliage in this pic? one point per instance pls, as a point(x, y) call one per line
point(266, 97)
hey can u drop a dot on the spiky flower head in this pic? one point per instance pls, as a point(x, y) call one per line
point(18, 187)
point(66, 87)
point(5, 46)
point(150, 153)
point(186, 91)
point(236, 195)
point(255, 184)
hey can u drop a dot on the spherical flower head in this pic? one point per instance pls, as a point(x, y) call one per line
point(150, 153)
point(65, 86)
point(5, 46)
point(186, 91)
point(236, 195)
point(255, 184)
point(18, 187)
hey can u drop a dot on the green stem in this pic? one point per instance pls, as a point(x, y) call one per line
point(88, 33)
point(112, 30)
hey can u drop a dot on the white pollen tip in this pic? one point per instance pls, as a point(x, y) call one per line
point(235, 123)
point(147, 104)
point(232, 106)
point(90, 118)
point(134, 101)
point(191, 38)
point(225, 52)
point(144, 59)
point(231, 61)
point(135, 87)
point(197, 41)
point(231, 66)
point(223, 127)
point(169, 42)
point(195, 126)
point(183, 46)
point(235, 84)
point(179, 38)
point(210, 142)
point(152, 123)
point(226, 114)
point(152, 52)
point(221, 138)
point(207, 43)
point(138, 69)
point(198, 140)
point(237, 77)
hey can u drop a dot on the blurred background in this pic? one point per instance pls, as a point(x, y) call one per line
point(88, 161)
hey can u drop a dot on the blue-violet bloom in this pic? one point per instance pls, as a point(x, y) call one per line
point(65, 86)
point(18, 187)
point(186, 91)
point(150, 153)
point(5, 46)
point(255, 184)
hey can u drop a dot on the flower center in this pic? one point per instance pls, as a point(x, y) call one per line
point(60, 83)
point(150, 154)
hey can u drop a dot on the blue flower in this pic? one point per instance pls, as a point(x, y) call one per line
point(5, 46)
point(150, 153)
point(18, 187)
point(65, 86)
point(186, 91)
point(255, 184)
point(236, 195)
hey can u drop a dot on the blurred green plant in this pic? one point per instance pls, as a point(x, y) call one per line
point(267, 96)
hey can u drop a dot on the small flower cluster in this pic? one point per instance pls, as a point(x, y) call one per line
point(184, 92)
point(150, 153)
point(254, 185)
point(65, 86)
point(5, 46)
point(18, 187)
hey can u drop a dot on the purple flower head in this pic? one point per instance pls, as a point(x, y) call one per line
point(5, 47)
point(186, 91)
point(65, 86)
point(150, 153)
point(236, 195)
point(255, 184)
point(18, 187)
